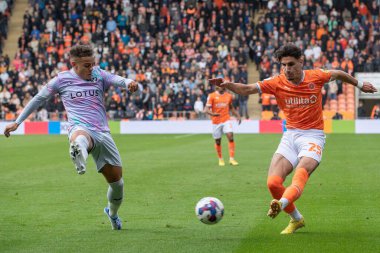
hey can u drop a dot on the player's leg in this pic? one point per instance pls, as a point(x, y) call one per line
point(218, 148)
point(294, 191)
point(217, 135)
point(108, 162)
point(282, 164)
point(113, 175)
point(80, 145)
point(304, 169)
point(231, 148)
point(310, 146)
point(279, 169)
point(228, 130)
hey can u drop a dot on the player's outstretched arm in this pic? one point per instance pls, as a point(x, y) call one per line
point(43, 95)
point(366, 87)
point(238, 88)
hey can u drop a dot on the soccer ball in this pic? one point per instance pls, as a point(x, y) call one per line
point(209, 210)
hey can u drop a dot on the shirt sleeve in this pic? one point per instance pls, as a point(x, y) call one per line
point(323, 75)
point(115, 80)
point(268, 85)
point(48, 91)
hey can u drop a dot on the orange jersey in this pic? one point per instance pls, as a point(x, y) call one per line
point(220, 103)
point(302, 103)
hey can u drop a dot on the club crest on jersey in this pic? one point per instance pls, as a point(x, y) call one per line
point(311, 86)
point(94, 79)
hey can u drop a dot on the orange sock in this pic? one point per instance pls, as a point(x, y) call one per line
point(231, 147)
point(294, 191)
point(276, 188)
point(218, 150)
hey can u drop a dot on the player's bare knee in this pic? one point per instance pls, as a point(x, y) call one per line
point(218, 141)
point(309, 164)
point(112, 173)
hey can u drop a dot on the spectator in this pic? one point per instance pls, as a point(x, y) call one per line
point(119, 114)
point(337, 116)
point(158, 112)
point(265, 102)
point(361, 111)
point(42, 114)
point(375, 114)
point(275, 116)
point(187, 107)
point(243, 106)
point(198, 107)
point(333, 90)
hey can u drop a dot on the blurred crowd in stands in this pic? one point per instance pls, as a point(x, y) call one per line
point(173, 47)
point(333, 34)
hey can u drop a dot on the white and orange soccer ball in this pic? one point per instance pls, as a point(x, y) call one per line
point(209, 210)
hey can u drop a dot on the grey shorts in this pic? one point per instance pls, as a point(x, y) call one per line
point(104, 150)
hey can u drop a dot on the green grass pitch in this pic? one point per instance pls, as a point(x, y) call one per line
point(47, 207)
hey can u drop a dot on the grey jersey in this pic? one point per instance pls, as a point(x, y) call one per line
point(83, 100)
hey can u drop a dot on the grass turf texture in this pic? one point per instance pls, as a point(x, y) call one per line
point(47, 207)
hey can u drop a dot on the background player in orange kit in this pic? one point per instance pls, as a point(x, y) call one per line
point(218, 106)
point(298, 93)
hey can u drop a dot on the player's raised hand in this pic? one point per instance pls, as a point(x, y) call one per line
point(133, 87)
point(368, 88)
point(216, 81)
point(10, 128)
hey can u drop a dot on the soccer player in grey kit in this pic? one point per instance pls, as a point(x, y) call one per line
point(82, 89)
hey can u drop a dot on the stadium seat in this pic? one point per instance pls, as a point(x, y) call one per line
point(266, 115)
point(328, 114)
point(348, 115)
point(341, 97)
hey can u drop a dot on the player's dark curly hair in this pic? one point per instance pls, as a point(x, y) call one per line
point(288, 50)
point(81, 50)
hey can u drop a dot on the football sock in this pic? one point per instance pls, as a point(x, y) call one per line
point(231, 147)
point(296, 215)
point(294, 191)
point(276, 188)
point(115, 196)
point(83, 144)
point(218, 150)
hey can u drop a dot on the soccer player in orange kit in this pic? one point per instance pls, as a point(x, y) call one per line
point(218, 106)
point(299, 96)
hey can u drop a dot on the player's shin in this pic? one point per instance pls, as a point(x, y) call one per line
point(231, 147)
point(294, 191)
point(218, 149)
point(276, 188)
point(115, 196)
